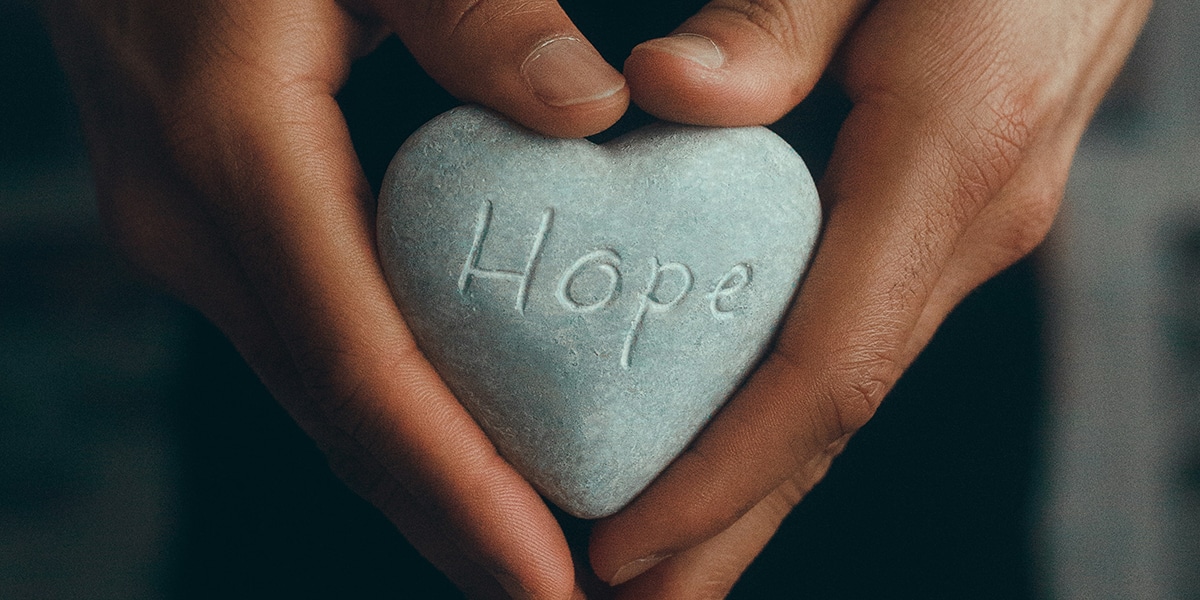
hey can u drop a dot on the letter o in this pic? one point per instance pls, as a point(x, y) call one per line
point(604, 260)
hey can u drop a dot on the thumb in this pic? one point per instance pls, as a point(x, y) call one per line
point(522, 58)
point(739, 62)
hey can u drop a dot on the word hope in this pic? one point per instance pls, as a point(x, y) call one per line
point(607, 262)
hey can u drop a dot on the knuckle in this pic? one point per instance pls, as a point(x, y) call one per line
point(993, 173)
point(850, 384)
point(1032, 221)
point(786, 497)
point(857, 389)
point(1005, 132)
point(988, 144)
point(1025, 223)
point(454, 13)
point(980, 146)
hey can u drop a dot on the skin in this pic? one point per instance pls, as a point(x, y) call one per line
point(226, 173)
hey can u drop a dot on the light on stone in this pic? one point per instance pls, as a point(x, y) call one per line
point(593, 306)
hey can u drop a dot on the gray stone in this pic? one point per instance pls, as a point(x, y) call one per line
point(593, 306)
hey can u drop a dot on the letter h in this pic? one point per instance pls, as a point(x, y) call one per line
point(523, 278)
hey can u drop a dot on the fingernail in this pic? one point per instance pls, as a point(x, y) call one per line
point(636, 567)
point(692, 46)
point(566, 71)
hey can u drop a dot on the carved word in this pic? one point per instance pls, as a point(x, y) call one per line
point(607, 262)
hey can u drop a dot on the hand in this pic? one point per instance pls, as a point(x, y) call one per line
point(949, 168)
point(225, 171)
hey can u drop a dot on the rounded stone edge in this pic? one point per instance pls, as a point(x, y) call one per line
point(589, 506)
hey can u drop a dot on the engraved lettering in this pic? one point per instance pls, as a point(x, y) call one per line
point(524, 277)
point(593, 282)
point(650, 302)
point(733, 282)
point(604, 260)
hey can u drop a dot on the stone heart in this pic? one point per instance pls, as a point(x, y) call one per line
point(593, 306)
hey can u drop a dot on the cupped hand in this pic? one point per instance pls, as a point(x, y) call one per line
point(225, 171)
point(950, 167)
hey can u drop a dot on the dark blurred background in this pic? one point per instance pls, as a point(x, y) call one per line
point(140, 458)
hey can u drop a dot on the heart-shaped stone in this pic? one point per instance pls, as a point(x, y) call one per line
point(593, 306)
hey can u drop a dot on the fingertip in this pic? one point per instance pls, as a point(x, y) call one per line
point(571, 121)
point(613, 561)
point(739, 62)
point(698, 49)
point(571, 91)
point(566, 71)
point(561, 88)
point(713, 79)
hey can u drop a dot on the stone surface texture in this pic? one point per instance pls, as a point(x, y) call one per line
point(593, 306)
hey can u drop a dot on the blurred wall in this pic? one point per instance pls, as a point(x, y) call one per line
point(1121, 516)
point(87, 360)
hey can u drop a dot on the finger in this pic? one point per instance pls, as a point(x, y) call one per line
point(523, 58)
point(350, 345)
point(710, 569)
point(918, 159)
point(739, 62)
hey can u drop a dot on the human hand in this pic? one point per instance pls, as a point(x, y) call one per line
point(949, 168)
point(225, 171)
